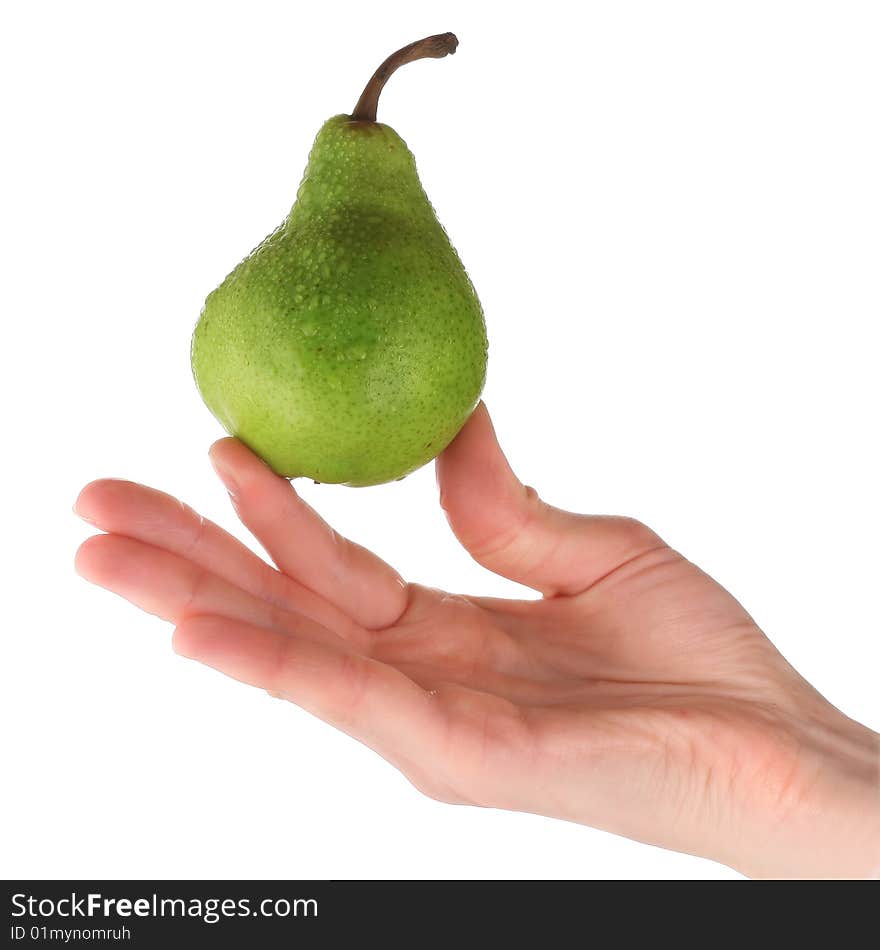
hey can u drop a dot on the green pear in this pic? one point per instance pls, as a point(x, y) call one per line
point(350, 346)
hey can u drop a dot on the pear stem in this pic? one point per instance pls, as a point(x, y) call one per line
point(431, 47)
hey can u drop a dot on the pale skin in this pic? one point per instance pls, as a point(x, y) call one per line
point(636, 695)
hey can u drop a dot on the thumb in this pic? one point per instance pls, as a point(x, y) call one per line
point(507, 528)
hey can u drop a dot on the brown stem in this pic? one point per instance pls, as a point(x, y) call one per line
point(431, 47)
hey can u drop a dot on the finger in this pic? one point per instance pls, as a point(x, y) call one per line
point(173, 588)
point(508, 529)
point(136, 511)
point(373, 702)
point(305, 547)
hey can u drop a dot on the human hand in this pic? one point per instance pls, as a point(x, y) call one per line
point(637, 696)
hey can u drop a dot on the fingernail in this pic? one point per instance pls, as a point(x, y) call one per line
point(82, 515)
point(225, 476)
point(180, 651)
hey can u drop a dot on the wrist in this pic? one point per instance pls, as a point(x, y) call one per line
point(855, 810)
point(829, 826)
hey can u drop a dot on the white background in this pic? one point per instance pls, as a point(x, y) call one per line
point(670, 211)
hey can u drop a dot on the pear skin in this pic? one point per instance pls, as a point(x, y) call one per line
point(350, 346)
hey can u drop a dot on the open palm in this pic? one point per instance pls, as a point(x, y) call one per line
point(637, 696)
